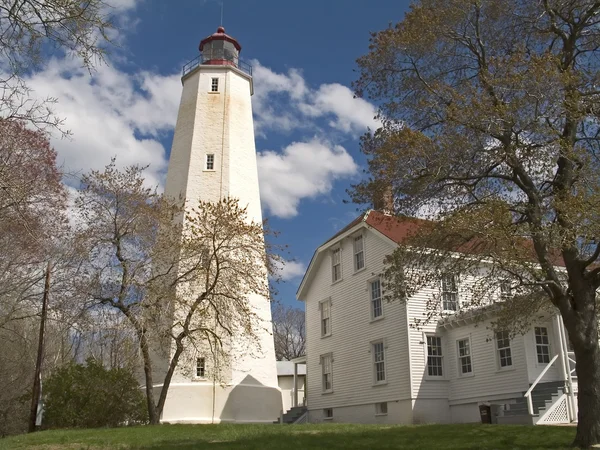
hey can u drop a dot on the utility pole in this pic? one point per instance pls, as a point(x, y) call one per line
point(35, 396)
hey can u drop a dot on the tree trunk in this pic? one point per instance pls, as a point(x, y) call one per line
point(582, 325)
point(167, 382)
point(153, 414)
point(588, 397)
point(37, 377)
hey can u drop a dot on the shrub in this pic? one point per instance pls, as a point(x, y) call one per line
point(91, 396)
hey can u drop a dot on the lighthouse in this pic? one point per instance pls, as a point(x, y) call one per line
point(213, 156)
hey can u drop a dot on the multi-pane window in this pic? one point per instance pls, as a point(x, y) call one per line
point(327, 380)
point(434, 356)
point(210, 162)
point(214, 85)
point(376, 304)
point(359, 253)
point(505, 290)
point(503, 347)
point(464, 356)
point(449, 293)
point(542, 345)
point(336, 264)
point(326, 317)
point(381, 408)
point(200, 367)
point(379, 361)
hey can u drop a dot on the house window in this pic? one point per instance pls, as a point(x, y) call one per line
point(449, 293)
point(503, 347)
point(434, 356)
point(326, 317)
point(326, 361)
point(328, 413)
point(542, 345)
point(359, 253)
point(210, 162)
point(336, 265)
point(200, 367)
point(214, 85)
point(381, 409)
point(379, 361)
point(505, 290)
point(376, 305)
point(464, 356)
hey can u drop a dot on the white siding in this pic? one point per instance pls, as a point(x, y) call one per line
point(413, 395)
point(424, 387)
point(352, 331)
point(398, 412)
point(535, 368)
point(487, 379)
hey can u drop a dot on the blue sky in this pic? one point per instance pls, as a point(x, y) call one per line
point(307, 124)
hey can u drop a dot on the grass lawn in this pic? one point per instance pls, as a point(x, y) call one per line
point(288, 437)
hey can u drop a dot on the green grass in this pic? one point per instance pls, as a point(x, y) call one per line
point(289, 437)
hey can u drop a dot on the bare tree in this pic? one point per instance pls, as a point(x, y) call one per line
point(289, 332)
point(31, 30)
point(490, 123)
point(180, 287)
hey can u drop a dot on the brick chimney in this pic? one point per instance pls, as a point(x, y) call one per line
point(383, 199)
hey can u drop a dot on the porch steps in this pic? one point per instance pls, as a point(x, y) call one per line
point(292, 415)
point(543, 396)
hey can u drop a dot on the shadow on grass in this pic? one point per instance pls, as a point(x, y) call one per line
point(397, 437)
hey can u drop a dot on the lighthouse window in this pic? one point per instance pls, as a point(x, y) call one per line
point(200, 367)
point(214, 85)
point(210, 162)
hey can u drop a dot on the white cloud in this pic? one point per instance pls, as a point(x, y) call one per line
point(114, 113)
point(110, 114)
point(283, 102)
point(301, 170)
point(288, 270)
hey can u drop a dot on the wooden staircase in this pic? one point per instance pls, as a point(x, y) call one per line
point(544, 396)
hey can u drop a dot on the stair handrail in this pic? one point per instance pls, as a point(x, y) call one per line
point(537, 380)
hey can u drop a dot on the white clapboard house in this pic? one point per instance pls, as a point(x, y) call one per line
point(366, 362)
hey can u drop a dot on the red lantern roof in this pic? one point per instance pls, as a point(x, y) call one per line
point(220, 36)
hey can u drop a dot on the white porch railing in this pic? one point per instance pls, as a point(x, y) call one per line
point(572, 365)
point(558, 412)
point(537, 380)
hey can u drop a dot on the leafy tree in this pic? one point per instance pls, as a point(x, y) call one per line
point(490, 124)
point(289, 332)
point(32, 206)
point(91, 396)
point(181, 279)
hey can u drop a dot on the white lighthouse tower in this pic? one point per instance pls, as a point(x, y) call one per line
point(213, 156)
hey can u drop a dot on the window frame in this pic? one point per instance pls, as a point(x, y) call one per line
point(459, 357)
point(322, 304)
point(327, 357)
point(214, 84)
point(380, 409)
point(499, 349)
point(355, 253)
point(209, 159)
point(336, 251)
point(372, 300)
point(375, 362)
point(445, 292)
point(440, 357)
point(505, 294)
point(200, 366)
point(547, 345)
point(327, 413)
